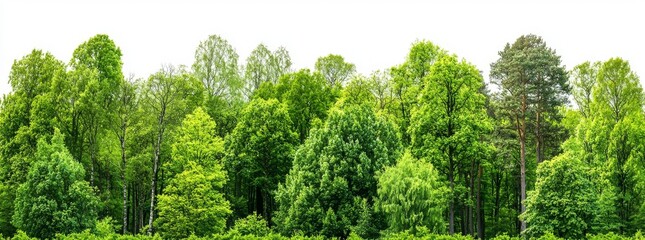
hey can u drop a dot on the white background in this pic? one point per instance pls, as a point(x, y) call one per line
point(372, 34)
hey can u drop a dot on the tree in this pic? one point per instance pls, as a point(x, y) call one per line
point(196, 141)
point(407, 82)
point(264, 66)
point(126, 105)
point(168, 95)
point(280, 63)
point(616, 135)
point(567, 212)
point(25, 116)
point(358, 92)
point(583, 79)
point(411, 195)
point(96, 65)
point(193, 203)
point(531, 80)
point(448, 127)
point(216, 65)
point(305, 94)
point(335, 70)
point(331, 187)
point(55, 198)
point(259, 155)
point(381, 88)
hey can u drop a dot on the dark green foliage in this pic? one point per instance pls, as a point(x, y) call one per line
point(25, 116)
point(55, 197)
point(332, 184)
point(259, 155)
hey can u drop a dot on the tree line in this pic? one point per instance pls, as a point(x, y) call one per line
point(220, 149)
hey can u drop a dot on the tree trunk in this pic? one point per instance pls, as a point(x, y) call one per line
point(92, 162)
point(451, 214)
point(155, 170)
point(124, 184)
point(480, 201)
point(538, 138)
point(522, 172)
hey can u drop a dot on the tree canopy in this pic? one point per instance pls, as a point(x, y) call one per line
point(251, 148)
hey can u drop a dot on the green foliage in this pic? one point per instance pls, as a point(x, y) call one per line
point(104, 228)
point(197, 142)
point(343, 180)
point(566, 212)
point(533, 85)
point(259, 155)
point(21, 235)
point(609, 139)
point(423, 234)
point(408, 82)
point(357, 92)
point(305, 94)
point(193, 204)
point(411, 195)
point(25, 116)
point(216, 66)
point(252, 224)
point(505, 237)
point(55, 197)
point(335, 70)
point(449, 125)
point(331, 186)
point(265, 66)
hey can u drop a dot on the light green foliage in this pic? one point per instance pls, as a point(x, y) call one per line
point(381, 88)
point(448, 127)
point(423, 234)
point(505, 237)
point(411, 195)
point(608, 137)
point(171, 93)
point(259, 155)
point(104, 228)
point(252, 224)
point(216, 66)
point(408, 82)
point(334, 69)
point(265, 66)
point(563, 202)
point(168, 96)
point(332, 184)
point(55, 197)
point(616, 137)
point(357, 91)
point(583, 79)
point(196, 141)
point(305, 94)
point(192, 203)
point(21, 235)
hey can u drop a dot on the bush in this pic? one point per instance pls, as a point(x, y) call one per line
point(252, 225)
